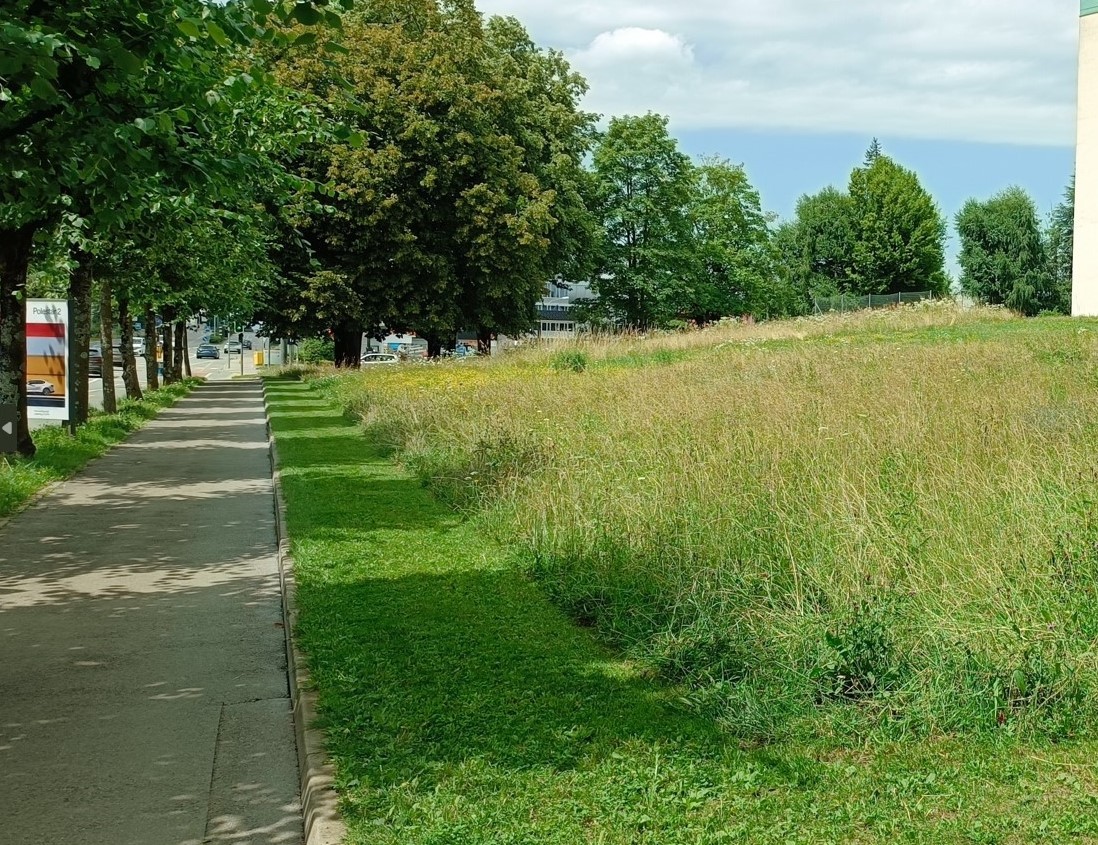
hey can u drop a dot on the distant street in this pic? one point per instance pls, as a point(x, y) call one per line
point(217, 369)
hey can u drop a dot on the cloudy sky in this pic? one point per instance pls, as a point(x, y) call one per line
point(975, 95)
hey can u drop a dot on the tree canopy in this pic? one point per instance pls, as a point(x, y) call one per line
point(817, 246)
point(883, 235)
point(1002, 254)
point(899, 234)
point(735, 262)
point(644, 187)
point(1059, 249)
point(111, 107)
point(467, 193)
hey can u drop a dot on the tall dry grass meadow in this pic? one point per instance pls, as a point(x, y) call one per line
point(883, 523)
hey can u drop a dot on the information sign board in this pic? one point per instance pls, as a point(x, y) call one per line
point(47, 359)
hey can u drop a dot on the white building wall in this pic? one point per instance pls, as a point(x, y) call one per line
point(1084, 282)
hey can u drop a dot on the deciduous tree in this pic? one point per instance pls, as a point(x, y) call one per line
point(883, 235)
point(465, 194)
point(733, 253)
point(99, 99)
point(817, 247)
point(645, 186)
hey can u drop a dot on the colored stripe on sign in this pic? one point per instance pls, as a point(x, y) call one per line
point(45, 401)
point(46, 347)
point(56, 330)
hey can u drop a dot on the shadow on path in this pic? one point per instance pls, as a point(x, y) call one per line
point(143, 693)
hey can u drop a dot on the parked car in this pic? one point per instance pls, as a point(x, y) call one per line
point(231, 347)
point(139, 346)
point(371, 358)
point(95, 362)
point(247, 343)
point(40, 385)
point(207, 350)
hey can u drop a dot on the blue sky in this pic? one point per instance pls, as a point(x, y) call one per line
point(973, 95)
point(785, 165)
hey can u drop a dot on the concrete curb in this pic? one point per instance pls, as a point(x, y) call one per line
point(319, 801)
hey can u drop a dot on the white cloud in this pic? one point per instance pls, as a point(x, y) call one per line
point(633, 44)
point(978, 70)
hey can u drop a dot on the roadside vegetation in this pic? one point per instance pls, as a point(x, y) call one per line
point(242, 163)
point(61, 455)
point(886, 527)
point(823, 581)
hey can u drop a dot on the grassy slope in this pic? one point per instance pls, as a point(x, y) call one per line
point(463, 708)
point(895, 508)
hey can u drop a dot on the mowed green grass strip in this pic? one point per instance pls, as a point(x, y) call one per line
point(461, 707)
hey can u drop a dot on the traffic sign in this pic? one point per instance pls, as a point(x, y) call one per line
point(9, 424)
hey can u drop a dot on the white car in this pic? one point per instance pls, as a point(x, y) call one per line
point(371, 358)
point(38, 385)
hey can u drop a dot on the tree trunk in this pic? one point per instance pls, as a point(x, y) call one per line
point(15, 249)
point(129, 360)
point(484, 342)
point(106, 339)
point(152, 356)
point(434, 346)
point(348, 346)
point(169, 347)
point(80, 299)
point(180, 346)
point(186, 353)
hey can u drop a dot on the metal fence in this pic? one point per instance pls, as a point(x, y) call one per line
point(849, 302)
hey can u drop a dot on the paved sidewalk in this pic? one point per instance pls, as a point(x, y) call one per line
point(143, 690)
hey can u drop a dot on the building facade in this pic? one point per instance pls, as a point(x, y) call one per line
point(1084, 281)
point(555, 318)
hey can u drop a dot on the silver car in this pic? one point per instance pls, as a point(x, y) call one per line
point(371, 358)
point(40, 386)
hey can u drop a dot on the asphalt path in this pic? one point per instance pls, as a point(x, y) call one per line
point(143, 691)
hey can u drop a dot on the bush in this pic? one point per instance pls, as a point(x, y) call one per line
point(569, 360)
point(314, 350)
point(860, 657)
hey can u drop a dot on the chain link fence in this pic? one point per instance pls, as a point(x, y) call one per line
point(849, 302)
